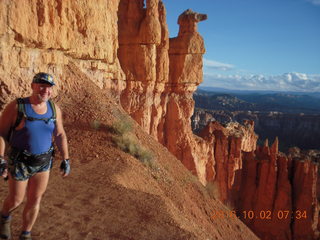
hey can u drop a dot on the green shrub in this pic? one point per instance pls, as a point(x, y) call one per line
point(122, 127)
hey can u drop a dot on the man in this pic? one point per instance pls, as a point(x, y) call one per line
point(29, 125)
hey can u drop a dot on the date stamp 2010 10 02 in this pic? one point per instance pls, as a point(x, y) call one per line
point(263, 214)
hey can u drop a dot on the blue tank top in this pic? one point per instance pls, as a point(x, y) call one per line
point(35, 136)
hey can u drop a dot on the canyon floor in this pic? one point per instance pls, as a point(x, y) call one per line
point(112, 195)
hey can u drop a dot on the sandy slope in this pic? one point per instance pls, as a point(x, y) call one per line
point(112, 195)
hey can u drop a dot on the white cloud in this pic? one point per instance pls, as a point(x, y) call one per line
point(299, 82)
point(315, 2)
point(217, 65)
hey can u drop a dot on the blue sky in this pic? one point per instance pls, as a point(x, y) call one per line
point(257, 44)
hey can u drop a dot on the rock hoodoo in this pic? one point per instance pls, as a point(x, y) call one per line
point(158, 93)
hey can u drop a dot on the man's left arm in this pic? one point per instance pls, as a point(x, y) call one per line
point(61, 139)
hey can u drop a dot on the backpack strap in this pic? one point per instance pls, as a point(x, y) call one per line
point(53, 107)
point(21, 112)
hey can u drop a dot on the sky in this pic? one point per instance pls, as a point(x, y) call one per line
point(257, 44)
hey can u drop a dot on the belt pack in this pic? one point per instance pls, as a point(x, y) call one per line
point(30, 159)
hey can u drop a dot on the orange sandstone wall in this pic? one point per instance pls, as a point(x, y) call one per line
point(143, 54)
point(45, 35)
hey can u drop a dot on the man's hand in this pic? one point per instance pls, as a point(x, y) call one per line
point(65, 167)
point(3, 168)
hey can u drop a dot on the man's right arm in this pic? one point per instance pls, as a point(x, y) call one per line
point(7, 119)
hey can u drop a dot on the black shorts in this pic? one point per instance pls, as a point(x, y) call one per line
point(21, 171)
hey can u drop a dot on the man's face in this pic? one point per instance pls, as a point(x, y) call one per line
point(42, 90)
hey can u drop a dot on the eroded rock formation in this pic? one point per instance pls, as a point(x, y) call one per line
point(280, 194)
point(274, 194)
point(158, 93)
point(228, 143)
point(185, 74)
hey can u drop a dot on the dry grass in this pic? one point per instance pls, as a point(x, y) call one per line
point(95, 124)
point(128, 142)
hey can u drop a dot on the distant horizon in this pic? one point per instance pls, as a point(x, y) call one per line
point(229, 90)
point(287, 82)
